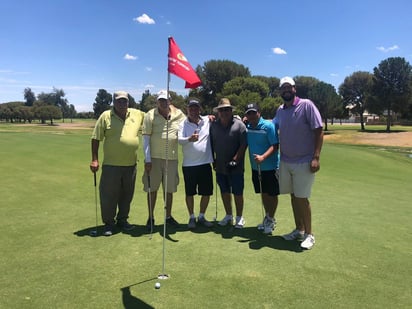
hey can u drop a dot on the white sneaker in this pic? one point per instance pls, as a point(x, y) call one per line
point(240, 223)
point(294, 235)
point(228, 219)
point(261, 226)
point(308, 242)
point(269, 225)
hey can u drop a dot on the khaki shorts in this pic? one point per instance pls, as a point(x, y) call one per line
point(158, 176)
point(296, 178)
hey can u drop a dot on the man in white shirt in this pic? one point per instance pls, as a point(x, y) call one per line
point(197, 158)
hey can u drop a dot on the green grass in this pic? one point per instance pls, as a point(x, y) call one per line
point(369, 128)
point(361, 214)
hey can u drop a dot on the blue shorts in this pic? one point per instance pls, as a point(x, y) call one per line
point(232, 183)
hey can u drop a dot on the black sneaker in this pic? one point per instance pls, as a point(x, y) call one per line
point(204, 222)
point(108, 230)
point(150, 226)
point(125, 226)
point(172, 222)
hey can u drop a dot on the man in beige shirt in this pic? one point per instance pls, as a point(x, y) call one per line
point(160, 143)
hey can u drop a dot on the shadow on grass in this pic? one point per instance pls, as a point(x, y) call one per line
point(251, 235)
point(131, 301)
point(142, 230)
point(98, 231)
point(137, 231)
point(274, 242)
point(257, 240)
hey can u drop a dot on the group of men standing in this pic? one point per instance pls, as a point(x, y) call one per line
point(210, 142)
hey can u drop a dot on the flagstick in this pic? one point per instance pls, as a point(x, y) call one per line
point(163, 275)
point(179, 66)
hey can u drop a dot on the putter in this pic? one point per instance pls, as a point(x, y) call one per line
point(150, 206)
point(261, 194)
point(94, 233)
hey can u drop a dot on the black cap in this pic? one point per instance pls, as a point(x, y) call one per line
point(193, 102)
point(251, 107)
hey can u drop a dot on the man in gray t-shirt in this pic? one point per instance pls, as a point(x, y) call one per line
point(229, 142)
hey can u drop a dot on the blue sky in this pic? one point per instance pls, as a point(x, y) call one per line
point(81, 46)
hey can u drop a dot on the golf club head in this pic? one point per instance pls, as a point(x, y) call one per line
point(93, 233)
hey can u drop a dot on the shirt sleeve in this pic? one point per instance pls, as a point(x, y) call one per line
point(147, 123)
point(99, 128)
point(182, 139)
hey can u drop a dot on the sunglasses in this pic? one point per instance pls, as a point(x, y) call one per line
point(225, 109)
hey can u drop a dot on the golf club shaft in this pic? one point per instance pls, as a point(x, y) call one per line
point(261, 193)
point(215, 197)
point(95, 196)
point(150, 205)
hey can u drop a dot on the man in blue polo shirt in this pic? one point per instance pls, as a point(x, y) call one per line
point(263, 143)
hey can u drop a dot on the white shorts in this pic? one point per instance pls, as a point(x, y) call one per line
point(296, 178)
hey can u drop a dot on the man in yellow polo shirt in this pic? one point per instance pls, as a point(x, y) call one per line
point(118, 128)
point(160, 128)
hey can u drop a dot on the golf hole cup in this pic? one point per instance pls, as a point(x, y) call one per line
point(157, 285)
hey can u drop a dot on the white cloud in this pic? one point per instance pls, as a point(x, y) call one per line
point(144, 19)
point(387, 49)
point(129, 57)
point(352, 67)
point(279, 51)
point(148, 69)
point(149, 86)
point(11, 72)
point(334, 74)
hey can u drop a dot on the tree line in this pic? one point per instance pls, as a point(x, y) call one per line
point(385, 91)
point(43, 107)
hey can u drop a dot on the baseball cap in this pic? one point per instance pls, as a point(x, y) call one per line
point(286, 80)
point(121, 95)
point(162, 95)
point(193, 102)
point(251, 107)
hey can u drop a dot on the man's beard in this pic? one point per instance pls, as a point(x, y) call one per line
point(288, 96)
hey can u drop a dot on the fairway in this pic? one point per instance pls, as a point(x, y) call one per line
point(361, 214)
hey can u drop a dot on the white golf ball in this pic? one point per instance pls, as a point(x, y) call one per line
point(157, 285)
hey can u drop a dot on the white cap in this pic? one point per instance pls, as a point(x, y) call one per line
point(121, 95)
point(162, 95)
point(286, 80)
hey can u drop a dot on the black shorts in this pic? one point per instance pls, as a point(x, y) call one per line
point(270, 184)
point(198, 180)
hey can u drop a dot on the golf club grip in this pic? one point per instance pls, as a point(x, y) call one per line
point(94, 176)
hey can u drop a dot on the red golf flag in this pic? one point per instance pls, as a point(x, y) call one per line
point(179, 66)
